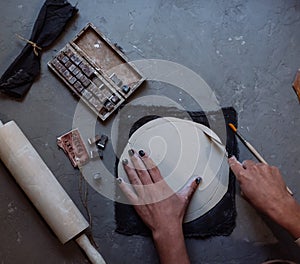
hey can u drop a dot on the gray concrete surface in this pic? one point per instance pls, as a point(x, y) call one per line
point(247, 51)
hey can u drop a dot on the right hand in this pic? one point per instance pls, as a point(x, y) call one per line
point(263, 186)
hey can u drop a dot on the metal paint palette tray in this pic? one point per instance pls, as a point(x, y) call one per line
point(95, 70)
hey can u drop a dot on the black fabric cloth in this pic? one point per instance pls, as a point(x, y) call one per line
point(220, 220)
point(20, 75)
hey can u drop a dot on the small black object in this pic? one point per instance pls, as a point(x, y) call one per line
point(142, 153)
point(101, 143)
point(100, 152)
point(125, 89)
point(125, 161)
point(198, 180)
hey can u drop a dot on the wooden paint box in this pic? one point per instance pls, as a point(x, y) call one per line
point(96, 71)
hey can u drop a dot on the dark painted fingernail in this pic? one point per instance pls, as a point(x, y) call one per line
point(142, 153)
point(119, 180)
point(198, 180)
point(131, 152)
point(125, 161)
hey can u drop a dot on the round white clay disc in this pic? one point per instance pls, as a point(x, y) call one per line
point(181, 150)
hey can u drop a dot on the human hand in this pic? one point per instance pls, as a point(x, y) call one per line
point(159, 207)
point(155, 202)
point(263, 186)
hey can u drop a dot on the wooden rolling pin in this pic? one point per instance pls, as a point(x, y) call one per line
point(42, 188)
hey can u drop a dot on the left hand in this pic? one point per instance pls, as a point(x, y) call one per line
point(160, 208)
point(156, 203)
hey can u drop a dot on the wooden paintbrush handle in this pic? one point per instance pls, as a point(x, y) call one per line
point(255, 153)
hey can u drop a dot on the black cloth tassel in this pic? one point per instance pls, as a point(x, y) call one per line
point(20, 75)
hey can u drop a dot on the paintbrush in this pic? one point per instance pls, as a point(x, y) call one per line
point(252, 149)
point(248, 145)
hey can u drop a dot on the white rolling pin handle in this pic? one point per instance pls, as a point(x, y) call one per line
point(93, 255)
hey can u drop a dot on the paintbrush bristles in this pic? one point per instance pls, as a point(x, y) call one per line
point(232, 127)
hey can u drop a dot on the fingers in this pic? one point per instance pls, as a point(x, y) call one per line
point(132, 197)
point(248, 163)
point(150, 166)
point(140, 168)
point(236, 167)
point(131, 173)
point(133, 177)
point(189, 190)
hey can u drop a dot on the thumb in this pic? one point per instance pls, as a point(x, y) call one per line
point(188, 191)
